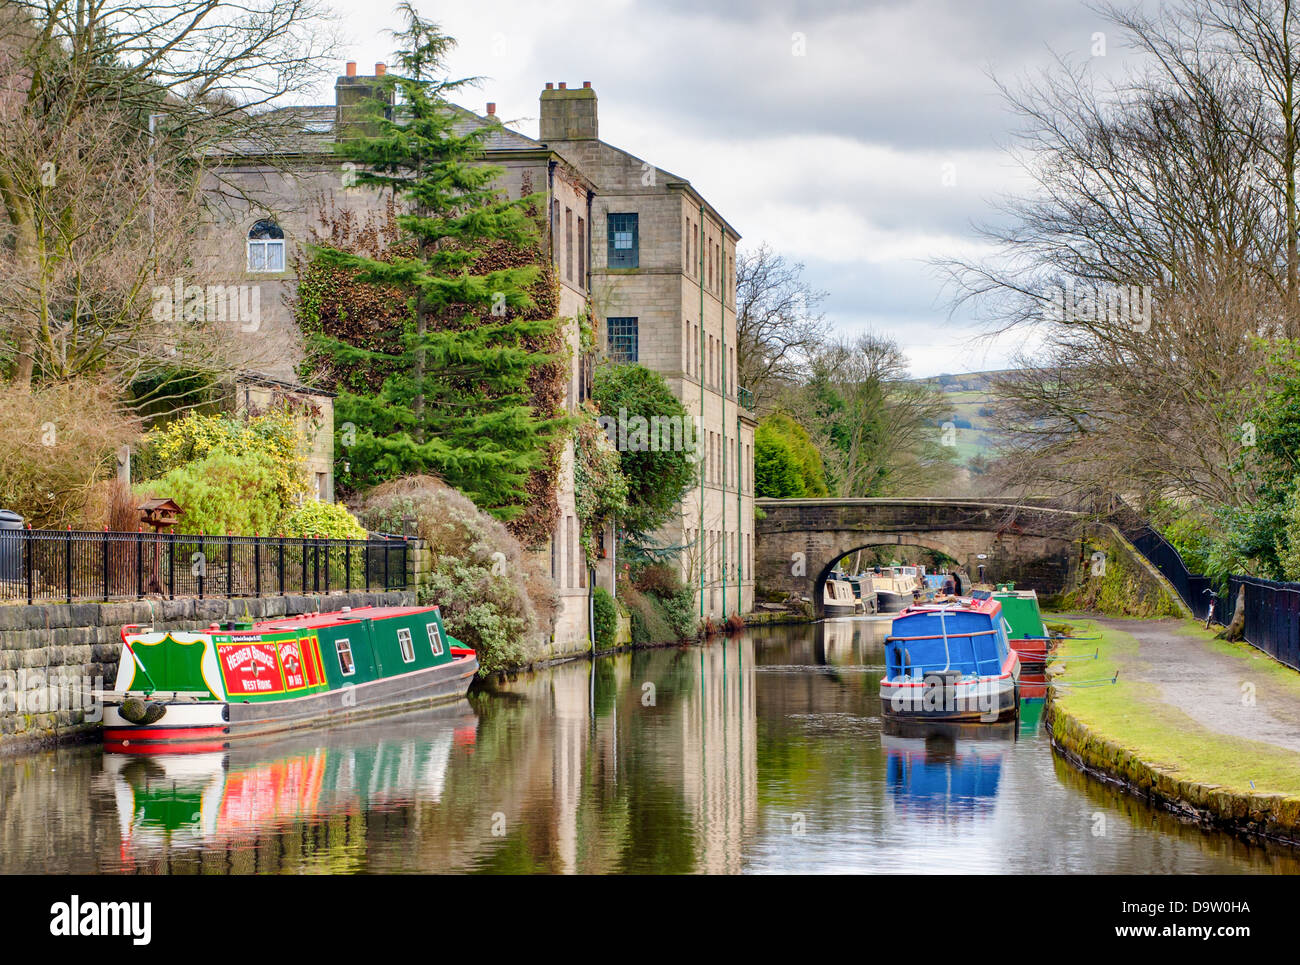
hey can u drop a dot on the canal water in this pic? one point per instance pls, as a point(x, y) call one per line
point(760, 753)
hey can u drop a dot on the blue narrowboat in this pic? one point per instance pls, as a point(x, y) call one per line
point(951, 662)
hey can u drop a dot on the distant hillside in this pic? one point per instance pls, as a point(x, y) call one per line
point(971, 399)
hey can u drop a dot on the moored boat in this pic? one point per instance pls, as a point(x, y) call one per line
point(196, 691)
point(862, 591)
point(1028, 634)
point(950, 662)
point(895, 587)
point(837, 597)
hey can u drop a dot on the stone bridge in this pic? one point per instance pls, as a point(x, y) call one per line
point(799, 541)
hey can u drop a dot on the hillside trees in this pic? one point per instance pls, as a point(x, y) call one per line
point(876, 429)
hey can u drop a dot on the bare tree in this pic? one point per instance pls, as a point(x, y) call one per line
point(877, 430)
point(778, 322)
point(1150, 259)
point(1257, 43)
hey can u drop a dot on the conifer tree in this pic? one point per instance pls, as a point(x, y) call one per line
point(457, 403)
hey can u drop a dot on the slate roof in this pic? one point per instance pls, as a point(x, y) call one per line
point(309, 130)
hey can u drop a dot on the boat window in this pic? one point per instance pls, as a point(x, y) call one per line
point(346, 665)
point(404, 641)
point(435, 639)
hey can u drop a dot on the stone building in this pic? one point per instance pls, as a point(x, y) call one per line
point(663, 284)
point(652, 258)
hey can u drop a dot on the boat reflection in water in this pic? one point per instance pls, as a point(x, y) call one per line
point(945, 773)
point(1033, 695)
point(167, 800)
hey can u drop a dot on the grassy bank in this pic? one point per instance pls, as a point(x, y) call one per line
point(1158, 751)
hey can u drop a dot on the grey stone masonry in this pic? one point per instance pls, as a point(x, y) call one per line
point(52, 656)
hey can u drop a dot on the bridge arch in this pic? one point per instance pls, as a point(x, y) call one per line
point(798, 541)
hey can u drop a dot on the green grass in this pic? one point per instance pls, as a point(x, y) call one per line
point(1129, 715)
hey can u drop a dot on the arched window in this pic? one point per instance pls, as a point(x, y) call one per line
point(265, 247)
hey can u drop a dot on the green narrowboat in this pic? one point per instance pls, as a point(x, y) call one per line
point(196, 691)
point(1026, 630)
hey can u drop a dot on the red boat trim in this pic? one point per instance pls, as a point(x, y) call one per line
point(145, 747)
point(149, 733)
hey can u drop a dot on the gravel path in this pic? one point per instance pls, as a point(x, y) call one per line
point(1208, 686)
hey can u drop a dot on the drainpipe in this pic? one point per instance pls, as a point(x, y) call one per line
point(722, 359)
point(699, 533)
point(740, 506)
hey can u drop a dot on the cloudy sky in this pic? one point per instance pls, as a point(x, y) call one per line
point(860, 137)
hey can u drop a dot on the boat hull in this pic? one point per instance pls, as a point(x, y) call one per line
point(887, 601)
point(1032, 653)
point(207, 725)
point(840, 609)
point(985, 701)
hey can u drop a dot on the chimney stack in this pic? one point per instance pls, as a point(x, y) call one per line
point(550, 86)
point(492, 109)
point(351, 111)
point(569, 115)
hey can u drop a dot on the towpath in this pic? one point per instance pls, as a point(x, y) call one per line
point(1232, 689)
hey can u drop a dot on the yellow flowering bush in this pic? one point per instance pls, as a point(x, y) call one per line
point(277, 434)
point(314, 517)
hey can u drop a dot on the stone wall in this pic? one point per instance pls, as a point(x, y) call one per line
point(52, 656)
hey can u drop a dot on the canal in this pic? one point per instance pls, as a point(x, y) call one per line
point(761, 753)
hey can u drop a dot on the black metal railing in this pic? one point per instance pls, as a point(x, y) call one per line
point(1192, 587)
point(66, 566)
point(1272, 616)
point(1272, 609)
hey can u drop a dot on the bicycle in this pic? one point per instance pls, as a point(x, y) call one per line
point(1209, 614)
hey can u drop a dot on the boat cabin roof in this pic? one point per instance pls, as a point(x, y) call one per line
point(314, 621)
point(989, 605)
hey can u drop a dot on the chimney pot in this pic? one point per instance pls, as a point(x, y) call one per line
point(586, 85)
point(351, 69)
point(381, 69)
point(550, 86)
point(563, 86)
point(492, 108)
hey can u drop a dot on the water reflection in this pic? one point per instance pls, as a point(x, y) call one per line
point(758, 753)
point(183, 800)
point(945, 776)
